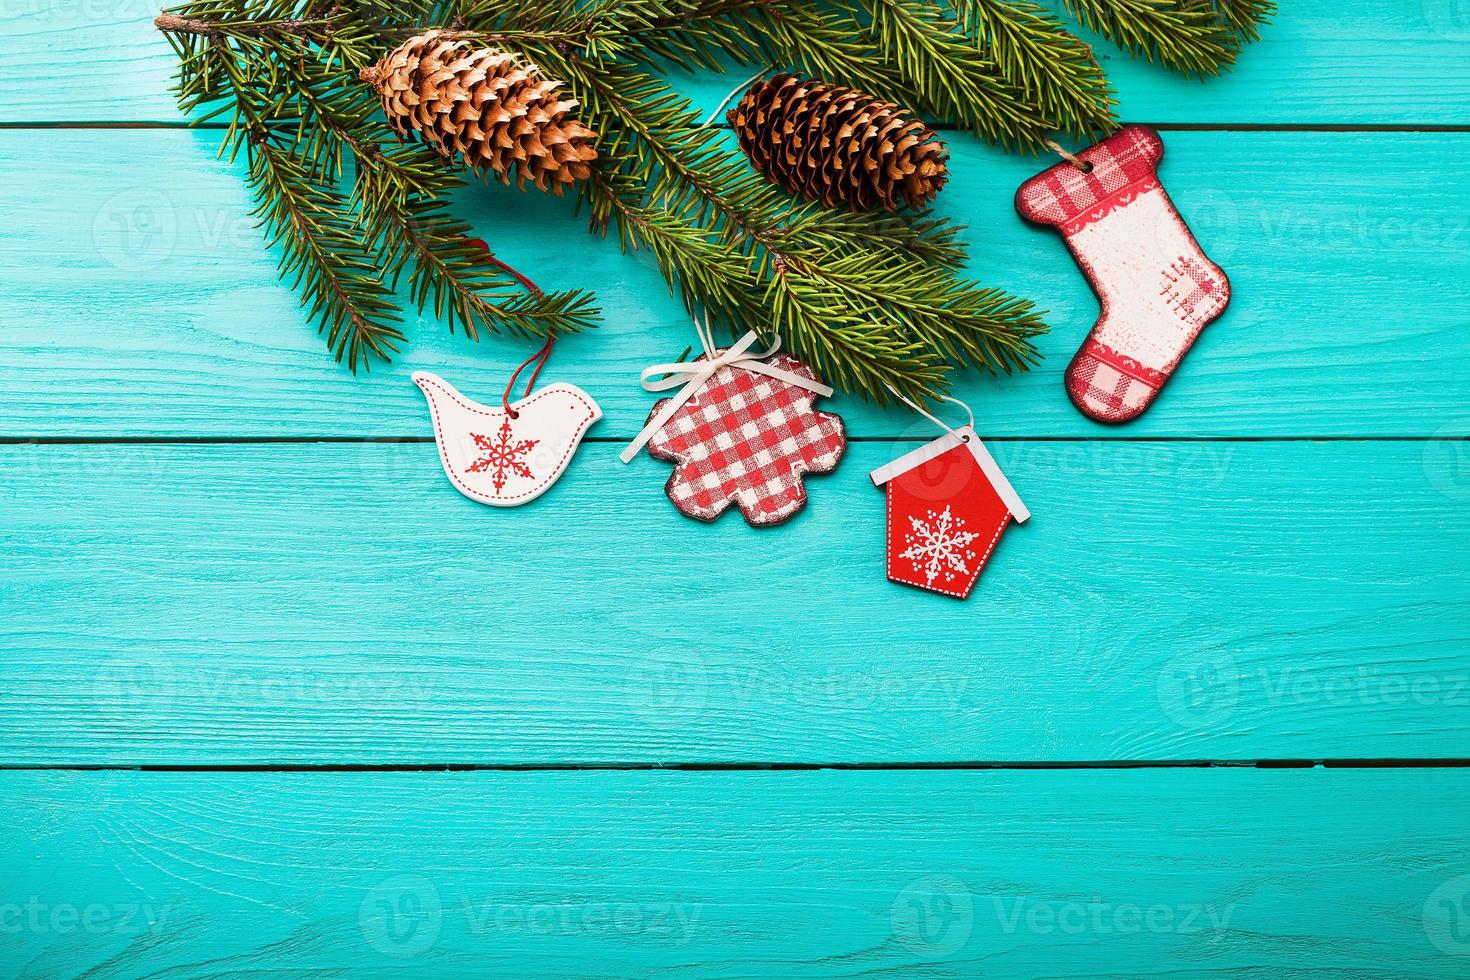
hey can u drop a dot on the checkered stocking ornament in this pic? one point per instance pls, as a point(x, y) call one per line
point(1157, 288)
point(740, 430)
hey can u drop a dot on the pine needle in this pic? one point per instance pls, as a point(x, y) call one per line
point(1182, 34)
point(873, 301)
point(1053, 70)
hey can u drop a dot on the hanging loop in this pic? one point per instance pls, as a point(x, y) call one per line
point(932, 418)
point(1083, 165)
point(541, 356)
point(726, 100)
point(693, 375)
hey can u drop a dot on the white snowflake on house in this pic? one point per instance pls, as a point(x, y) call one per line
point(939, 546)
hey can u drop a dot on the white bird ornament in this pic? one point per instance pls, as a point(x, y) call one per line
point(507, 458)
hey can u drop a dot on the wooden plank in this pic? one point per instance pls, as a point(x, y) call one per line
point(341, 603)
point(812, 874)
point(160, 313)
point(1322, 61)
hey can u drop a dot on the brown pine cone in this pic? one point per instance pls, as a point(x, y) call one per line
point(493, 110)
point(831, 144)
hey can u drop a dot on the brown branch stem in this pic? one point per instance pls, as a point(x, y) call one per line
point(174, 24)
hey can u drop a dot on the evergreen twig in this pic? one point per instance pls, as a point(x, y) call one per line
point(872, 301)
point(1245, 17)
point(336, 277)
point(291, 81)
point(1053, 69)
point(1186, 35)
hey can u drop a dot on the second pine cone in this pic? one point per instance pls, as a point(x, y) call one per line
point(832, 144)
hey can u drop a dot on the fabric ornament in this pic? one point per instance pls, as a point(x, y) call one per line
point(740, 429)
point(1157, 288)
point(948, 505)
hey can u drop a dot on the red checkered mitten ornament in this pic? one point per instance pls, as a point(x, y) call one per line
point(741, 429)
point(948, 505)
point(1157, 288)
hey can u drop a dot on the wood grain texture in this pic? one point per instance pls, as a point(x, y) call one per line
point(1197, 873)
point(342, 603)
point(160, 314)
point(1321, 61)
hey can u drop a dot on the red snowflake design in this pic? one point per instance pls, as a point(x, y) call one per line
point(502, 455)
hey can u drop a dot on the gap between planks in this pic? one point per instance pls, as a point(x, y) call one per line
point(961, 766)
point(615, 440)
point(1163, 127)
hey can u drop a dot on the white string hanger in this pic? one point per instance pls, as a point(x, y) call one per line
point(693, 375)
point(733, 92)
point(963, 437)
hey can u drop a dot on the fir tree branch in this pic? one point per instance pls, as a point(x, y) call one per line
point(954, 80)
point(701, 270)
point(1053, 70)
point(320, 118)
point(1245, 17)
point(1182, 34)
point(872, 301)
point(267, 29)
point(923, 60)
point(919, 236)
point(449, 270)
point(337, 280)
point(888, 320)
point(843, 339)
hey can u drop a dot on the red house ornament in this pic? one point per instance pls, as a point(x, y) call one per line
point(948, 505)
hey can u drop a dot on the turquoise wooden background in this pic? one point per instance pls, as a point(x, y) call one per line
point(276, 698)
